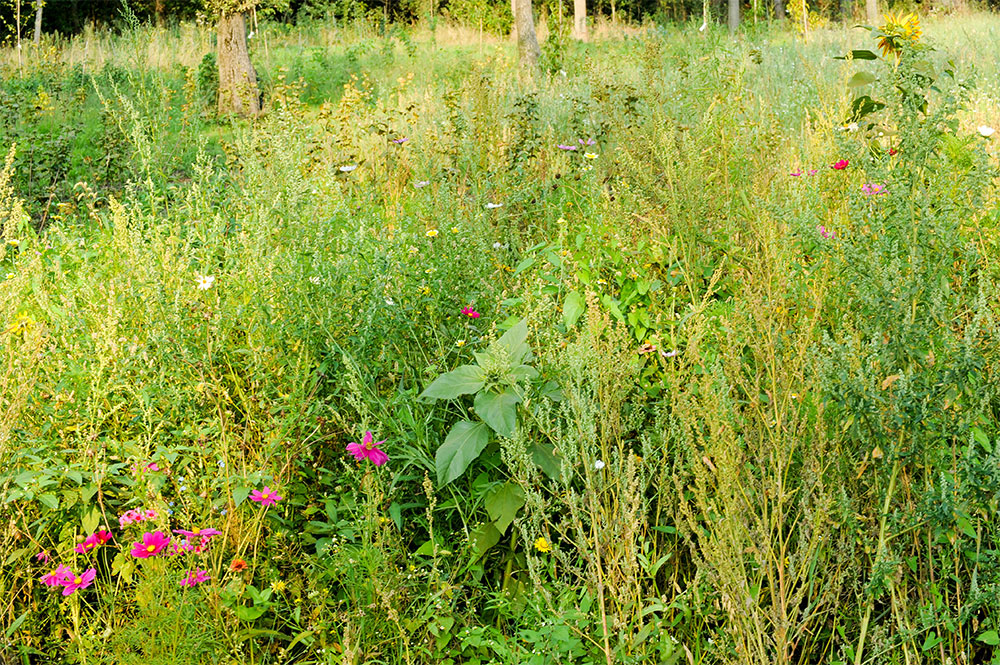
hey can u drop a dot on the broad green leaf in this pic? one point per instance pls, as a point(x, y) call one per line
point(863, 106)
point(50, 501)
point(91, 520)
point(861, 79)
point(17, 624)
point(515, 341)
point(249, 613)
point(523, 373)
point(573, 308)
point(989, 637)
point(485, 537)
point(545, 456)
point(461, 381)
point(612, 306)
point(503, 503)
point(240, 495)
point(498, 410)
point(857, 54)
point(461, 447)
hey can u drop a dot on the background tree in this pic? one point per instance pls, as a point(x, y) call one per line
point(734, 16)
point(524, 27)
point(871, 9)
point(580, 19)
point(38, 21)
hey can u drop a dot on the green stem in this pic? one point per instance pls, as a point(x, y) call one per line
point(878, 553)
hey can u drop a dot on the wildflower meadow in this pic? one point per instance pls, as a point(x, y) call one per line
point(659, 341)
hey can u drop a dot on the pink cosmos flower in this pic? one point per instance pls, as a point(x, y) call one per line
point(204, 534)
point(588, 142)
point(840, 165)
point(149, 514)
point(566, 147)
point(829, 235)
point(43, 556)
point(152, 466)
point(151, 544)
point(812, 172)
point(88, 544)
point(368, 450)
point(471, 313)
point(56, 577)
point(73, 582)
point(268, 497)
point(103, 537)
point(872, 189)
point(195, 577)
point(401, 140)
point(796, 173)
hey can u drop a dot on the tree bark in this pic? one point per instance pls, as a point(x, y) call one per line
point(524, 25)
point(238, 91)
point(38, 22)
point(734, 16)
point(779, 9)
point(158, 10)
point(871, 9)
point(580, 19)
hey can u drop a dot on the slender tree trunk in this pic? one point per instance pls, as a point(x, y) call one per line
point(871, 9)
point(38, 22)
point(779, 9)
point(158, 10)
point(734, 16)
point(580, 19)
point(237, 79)
point(527, 41)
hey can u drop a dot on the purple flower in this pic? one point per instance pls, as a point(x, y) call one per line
point(401, 140)
point(566, 147)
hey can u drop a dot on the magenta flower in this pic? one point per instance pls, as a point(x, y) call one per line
point(151, 545)
point(796, 173)
point(829, 235)
point(840, 165)
point(88, 544)
point(56, 577)
point(195, 577)
point(266, 498)
point(566, 147)
point(588, 142)
point(872, 189)
point(400, 141)
point(812, 172)
point(368, 450)
point(72, 582)
point(152, 466)
point(43, 557)
point(204, 534)
point(149, 514)
point(103, 537)
point(471, 313)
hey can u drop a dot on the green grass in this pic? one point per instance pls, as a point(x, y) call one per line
point(735, 438)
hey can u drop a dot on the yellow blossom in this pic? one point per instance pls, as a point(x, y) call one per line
point(431, 233)
point(542, 545)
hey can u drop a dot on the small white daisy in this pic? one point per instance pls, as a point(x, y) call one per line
point(348, 168)
point(205, 282)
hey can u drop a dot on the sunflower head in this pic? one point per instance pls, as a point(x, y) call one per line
point(899, 29)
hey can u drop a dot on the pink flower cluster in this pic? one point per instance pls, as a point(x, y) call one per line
point(195, 577)
point(829, 235)
point(872, 189)
point(136, 516)
point(196, 541)
point(69, 581)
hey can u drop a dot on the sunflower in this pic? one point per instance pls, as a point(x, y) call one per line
point(899, 29)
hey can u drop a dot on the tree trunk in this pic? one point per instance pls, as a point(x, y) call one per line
point(237, 79)
point(871, 9)
point(580, 19)
point(734, 16)
point(158, 10)
point(524, 25)
point(38, 22)
point(779, 9)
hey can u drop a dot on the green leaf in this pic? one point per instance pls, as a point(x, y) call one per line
point(50, 501)
point(573, 308)
point(91, 520)
point(250, 613)
point(989, 637)
point(240, 495)
point(503, 503)
point(515, 341)
point(498, 410)
point(17, 624)
point(545, 456)
point(861, 79)
point(485, 537)
point(863, 106)
point(857, 54)
point(461, 381)
point(461, 447)
point(523, 373)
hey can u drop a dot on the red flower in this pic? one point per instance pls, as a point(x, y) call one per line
point(840, 165)
point(471, 313)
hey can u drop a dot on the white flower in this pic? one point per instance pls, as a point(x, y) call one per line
point(497, 245)
point(315, 279)
point(671, 354)
point(598, 465)
point(13, 242)
point(590, 155)
point(348, 168)
point(985, 130)
point(390, 302)
point(205, 282)
point(421, 183)
point(491, 206)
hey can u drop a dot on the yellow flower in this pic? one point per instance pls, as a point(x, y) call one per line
point(454, 229)
point(278, 586)
point(431, 233)
point(413, 250)
point(460, 343)
point(425, 290)
point(899, 29)
point(590, 155)
point(11, 275)
point(13, 242)
point(542, 545)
